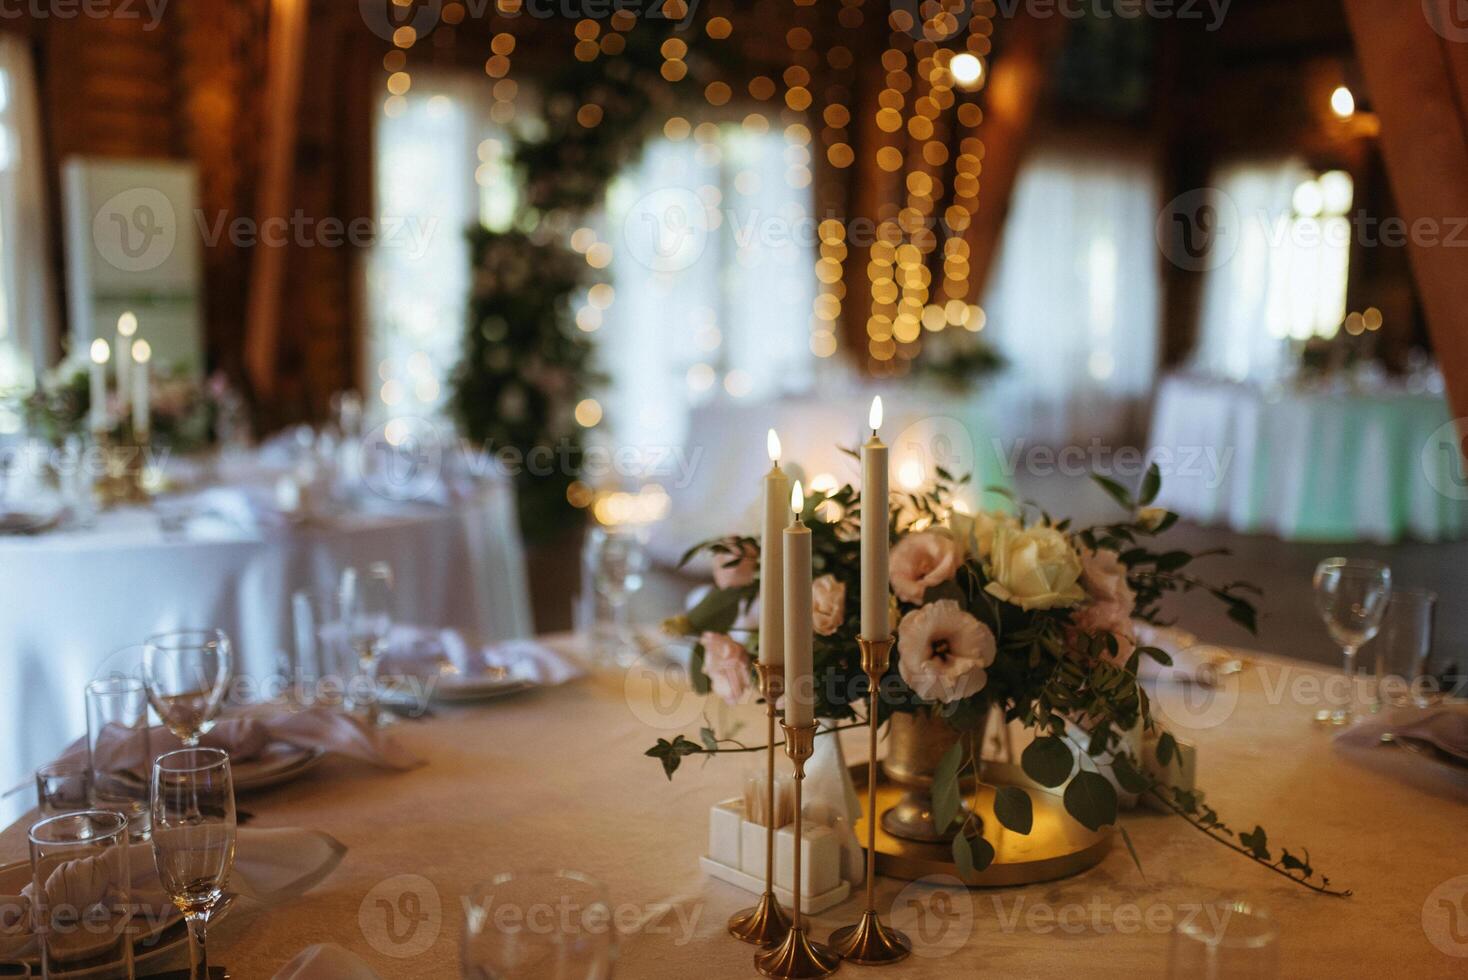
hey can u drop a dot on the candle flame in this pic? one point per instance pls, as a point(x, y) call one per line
point(875, 418)
point(100, 351)
point(772, 443)
point(142, 351)
point(127, 324)
point(797, 500)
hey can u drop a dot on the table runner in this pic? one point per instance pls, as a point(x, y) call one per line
point(556, 779)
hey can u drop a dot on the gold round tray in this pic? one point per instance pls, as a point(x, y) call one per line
point(1056, 846)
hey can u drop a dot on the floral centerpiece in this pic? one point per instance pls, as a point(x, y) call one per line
point(1005, 611)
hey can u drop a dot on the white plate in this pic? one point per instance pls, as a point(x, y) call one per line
point(279, 763)
point(161, 939)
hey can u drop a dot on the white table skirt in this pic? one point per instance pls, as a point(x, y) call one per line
point(70, 598)
point(1308, 465)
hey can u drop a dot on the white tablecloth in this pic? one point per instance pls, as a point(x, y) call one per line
point(1313, 465)
point(69, 598)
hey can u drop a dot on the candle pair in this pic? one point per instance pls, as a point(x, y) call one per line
point(786, 604)
point(136, 353)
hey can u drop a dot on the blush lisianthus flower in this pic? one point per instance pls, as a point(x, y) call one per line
point(944, 652)
point(726, 664)
point(921, 561)
point(736, 570)
point(828, 604)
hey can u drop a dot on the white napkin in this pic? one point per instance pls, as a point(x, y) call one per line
point(1445, 726)
point(326, 961)
point(270, 866)
point(246, 736)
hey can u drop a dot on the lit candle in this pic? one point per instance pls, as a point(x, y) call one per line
point(800, 695)
point(97, 416)
point(127, 326)
point(142, 417)
point(772, 560)
point(875, 620)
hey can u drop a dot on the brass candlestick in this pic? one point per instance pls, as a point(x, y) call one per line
point(797, 956)
point(869, 942)
point(766, 923)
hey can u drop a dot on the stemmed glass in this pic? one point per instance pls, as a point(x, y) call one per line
point(575, 942)
point(616, 560)
point(1351, 595)
point(193, 838)
point(366, 607)
point(186, 674)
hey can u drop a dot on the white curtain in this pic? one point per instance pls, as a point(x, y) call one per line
point(27, 308)
point(1073, 304)
point(1239, 334)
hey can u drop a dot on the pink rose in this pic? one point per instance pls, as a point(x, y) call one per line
point(726, 664)
point(944, 652)
point(828, 596)
point(1108, 617)
point(921, 561)
point(733, 571)
point(1103, 576)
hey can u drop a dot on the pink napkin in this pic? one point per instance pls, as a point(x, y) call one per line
point(245, 736)
point(422, 652)
point(1445, 726)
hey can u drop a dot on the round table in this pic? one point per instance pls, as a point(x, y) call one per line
point(1376, 463)
point(71, 597)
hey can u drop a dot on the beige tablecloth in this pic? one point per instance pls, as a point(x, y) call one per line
point(557, 780)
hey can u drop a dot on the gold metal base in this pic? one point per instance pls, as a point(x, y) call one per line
point(1056, 847)
point(797, 956)
point(869, 942)
point(765, 924)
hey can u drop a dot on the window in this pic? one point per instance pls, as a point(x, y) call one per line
point(1284, 279)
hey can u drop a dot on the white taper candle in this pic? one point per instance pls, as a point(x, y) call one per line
point(800, 702)
point(772, 560)
point(142, 416)
point(97, 389)
point(875, 619)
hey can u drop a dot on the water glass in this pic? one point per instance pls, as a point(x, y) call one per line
point(614, 561)
point(119, 749)
point(194, 838)
point(186, 673)
point(1351, 596)
point(1404, 648)
point(1225, 941)
point(63, 787)
point(82, 892)
point(366, 609)
point(540, 925)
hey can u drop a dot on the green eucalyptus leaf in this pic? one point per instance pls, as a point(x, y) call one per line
point(971, 855)
point(1013, 808)
point(1151, 483)
point(696, 677)
point(716, 611)
point(1091, 800)
point(946, 797)
point(1126, 772)
point(1166, 749)
point(1047, 760)
point(1132, 850)
point(1114, 490)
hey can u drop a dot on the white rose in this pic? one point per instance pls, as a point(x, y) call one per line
point(975, 532)
point(1035, 568)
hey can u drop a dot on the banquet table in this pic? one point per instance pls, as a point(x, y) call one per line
point(1312, 464)
point(557, 779)
point(73, 596)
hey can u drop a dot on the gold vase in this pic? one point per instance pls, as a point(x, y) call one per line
point(916, 743)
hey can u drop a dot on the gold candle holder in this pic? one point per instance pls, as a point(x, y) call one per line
point(869, 942)
point(121, 481)
point(797, 956)
point(766, 924)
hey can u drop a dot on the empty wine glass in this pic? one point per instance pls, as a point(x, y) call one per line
point(615, 561)
point(194, 838)
point(538, 925)
point(366, 609)
point(1351, 595)
point(186, 673)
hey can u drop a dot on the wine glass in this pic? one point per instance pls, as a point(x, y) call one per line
point(538, 925)
point(1351, 595)
point(366, 607)
point(193, 838)
point(616, 560)
point(186, 673)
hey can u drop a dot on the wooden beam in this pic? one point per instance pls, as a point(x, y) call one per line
point(1417, 81)
point(288, 25)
